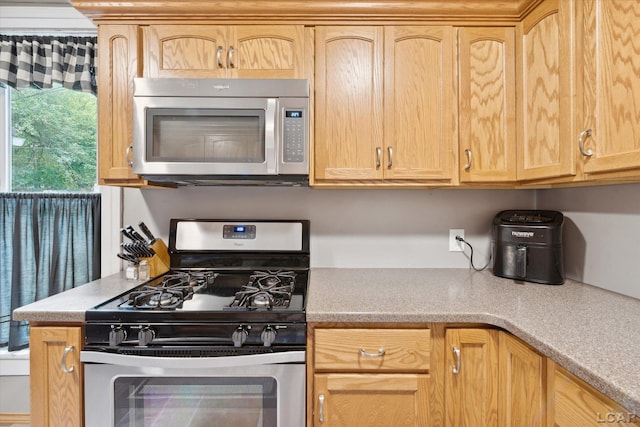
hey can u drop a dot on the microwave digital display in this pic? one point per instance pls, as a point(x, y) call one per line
point(294, 114)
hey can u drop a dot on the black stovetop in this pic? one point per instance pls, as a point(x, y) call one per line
point(215, 301)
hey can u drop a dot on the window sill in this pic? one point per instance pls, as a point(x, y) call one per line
point(14, 363)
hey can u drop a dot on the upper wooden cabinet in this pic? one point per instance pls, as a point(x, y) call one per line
point(117, 67)
point(487, 104)
point(545, 131)
point(385, 104)
point(239, 51)
point(610, 64)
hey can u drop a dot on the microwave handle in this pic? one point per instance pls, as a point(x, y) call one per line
point(127, 156)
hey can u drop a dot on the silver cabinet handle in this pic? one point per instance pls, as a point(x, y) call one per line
point(380, 353)
point(469, 159)
point(456, 353)
point(230, 58)
point(66, 352)
point(219, 56)
point(127, 156)
point(378, 157)
point(587, 133)
point(321, 408)
point(390, 151)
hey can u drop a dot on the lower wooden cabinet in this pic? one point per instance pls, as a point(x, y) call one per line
point(56, 377)
point(575, 403)
point(371, 400)
point(445, 375)
point(522, 384)
point(371, 377)
point(471, 380)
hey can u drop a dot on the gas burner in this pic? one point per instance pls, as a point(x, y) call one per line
point(175, 288)
point(265, 290)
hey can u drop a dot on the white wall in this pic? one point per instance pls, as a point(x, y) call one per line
point(602, 234)
point(349, 228)
point(409, 228)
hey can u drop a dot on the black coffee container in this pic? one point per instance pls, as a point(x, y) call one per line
point(527, 246)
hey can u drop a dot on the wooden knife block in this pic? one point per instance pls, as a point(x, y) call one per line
point(159, 263)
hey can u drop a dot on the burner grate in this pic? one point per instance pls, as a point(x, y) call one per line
point(266, 290)
point(175, 288)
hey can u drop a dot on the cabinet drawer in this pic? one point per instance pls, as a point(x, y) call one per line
point(372, 349)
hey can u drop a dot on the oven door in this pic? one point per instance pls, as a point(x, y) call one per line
point(204, 136)
point(263, 390)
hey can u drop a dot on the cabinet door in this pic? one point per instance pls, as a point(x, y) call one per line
point(371, 400)
point(545, 139)
point(266, 51)
point(56, 396)
point(575, 403)
point(117, 67)
point(487, 103)
point(185, 51)
point(419, 93)
point(471, 380)
point(611, 64)
point(522, 399)
point(348, 112)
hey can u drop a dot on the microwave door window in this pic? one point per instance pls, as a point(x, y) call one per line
point(204, 136)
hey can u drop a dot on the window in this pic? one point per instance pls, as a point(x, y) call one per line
point(50, 217)
point(50, 142)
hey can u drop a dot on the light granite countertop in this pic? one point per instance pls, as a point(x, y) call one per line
point(594, 333)
point(70, 306)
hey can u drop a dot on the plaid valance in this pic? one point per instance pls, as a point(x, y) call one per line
point(42, 61)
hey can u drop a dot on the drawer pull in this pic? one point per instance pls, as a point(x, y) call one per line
point(66, 352)
point(469, 159)
point(380, 353)
point(587, 133)
point(321, 408)
point(219, 57)
point(456, 353)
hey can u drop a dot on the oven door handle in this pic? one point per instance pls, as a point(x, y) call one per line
point(196, 362)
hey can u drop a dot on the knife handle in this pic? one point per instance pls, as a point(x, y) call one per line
point(146, 231)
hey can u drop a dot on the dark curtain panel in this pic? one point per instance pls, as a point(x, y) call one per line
point(42, 61)
point(49, 243)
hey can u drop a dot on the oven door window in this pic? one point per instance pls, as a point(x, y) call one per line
point(195, 401)
point(206, 135)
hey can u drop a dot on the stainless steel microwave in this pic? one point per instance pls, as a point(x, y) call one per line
point(221, 131)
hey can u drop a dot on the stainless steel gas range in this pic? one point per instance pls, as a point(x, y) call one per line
point(218, 340)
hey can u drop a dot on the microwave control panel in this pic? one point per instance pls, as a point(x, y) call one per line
point(293, 132)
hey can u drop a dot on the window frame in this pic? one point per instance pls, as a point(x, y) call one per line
point(5, 139)
point(59, 20)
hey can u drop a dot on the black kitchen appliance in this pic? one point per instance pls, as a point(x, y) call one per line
point(234, 288)
point(527, 246)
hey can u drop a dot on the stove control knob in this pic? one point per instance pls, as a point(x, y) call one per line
point(239, 336)
point(117, 335)
point(145, 336)
point(268, 335)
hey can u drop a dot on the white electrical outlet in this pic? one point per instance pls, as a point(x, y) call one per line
point(454, 245)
